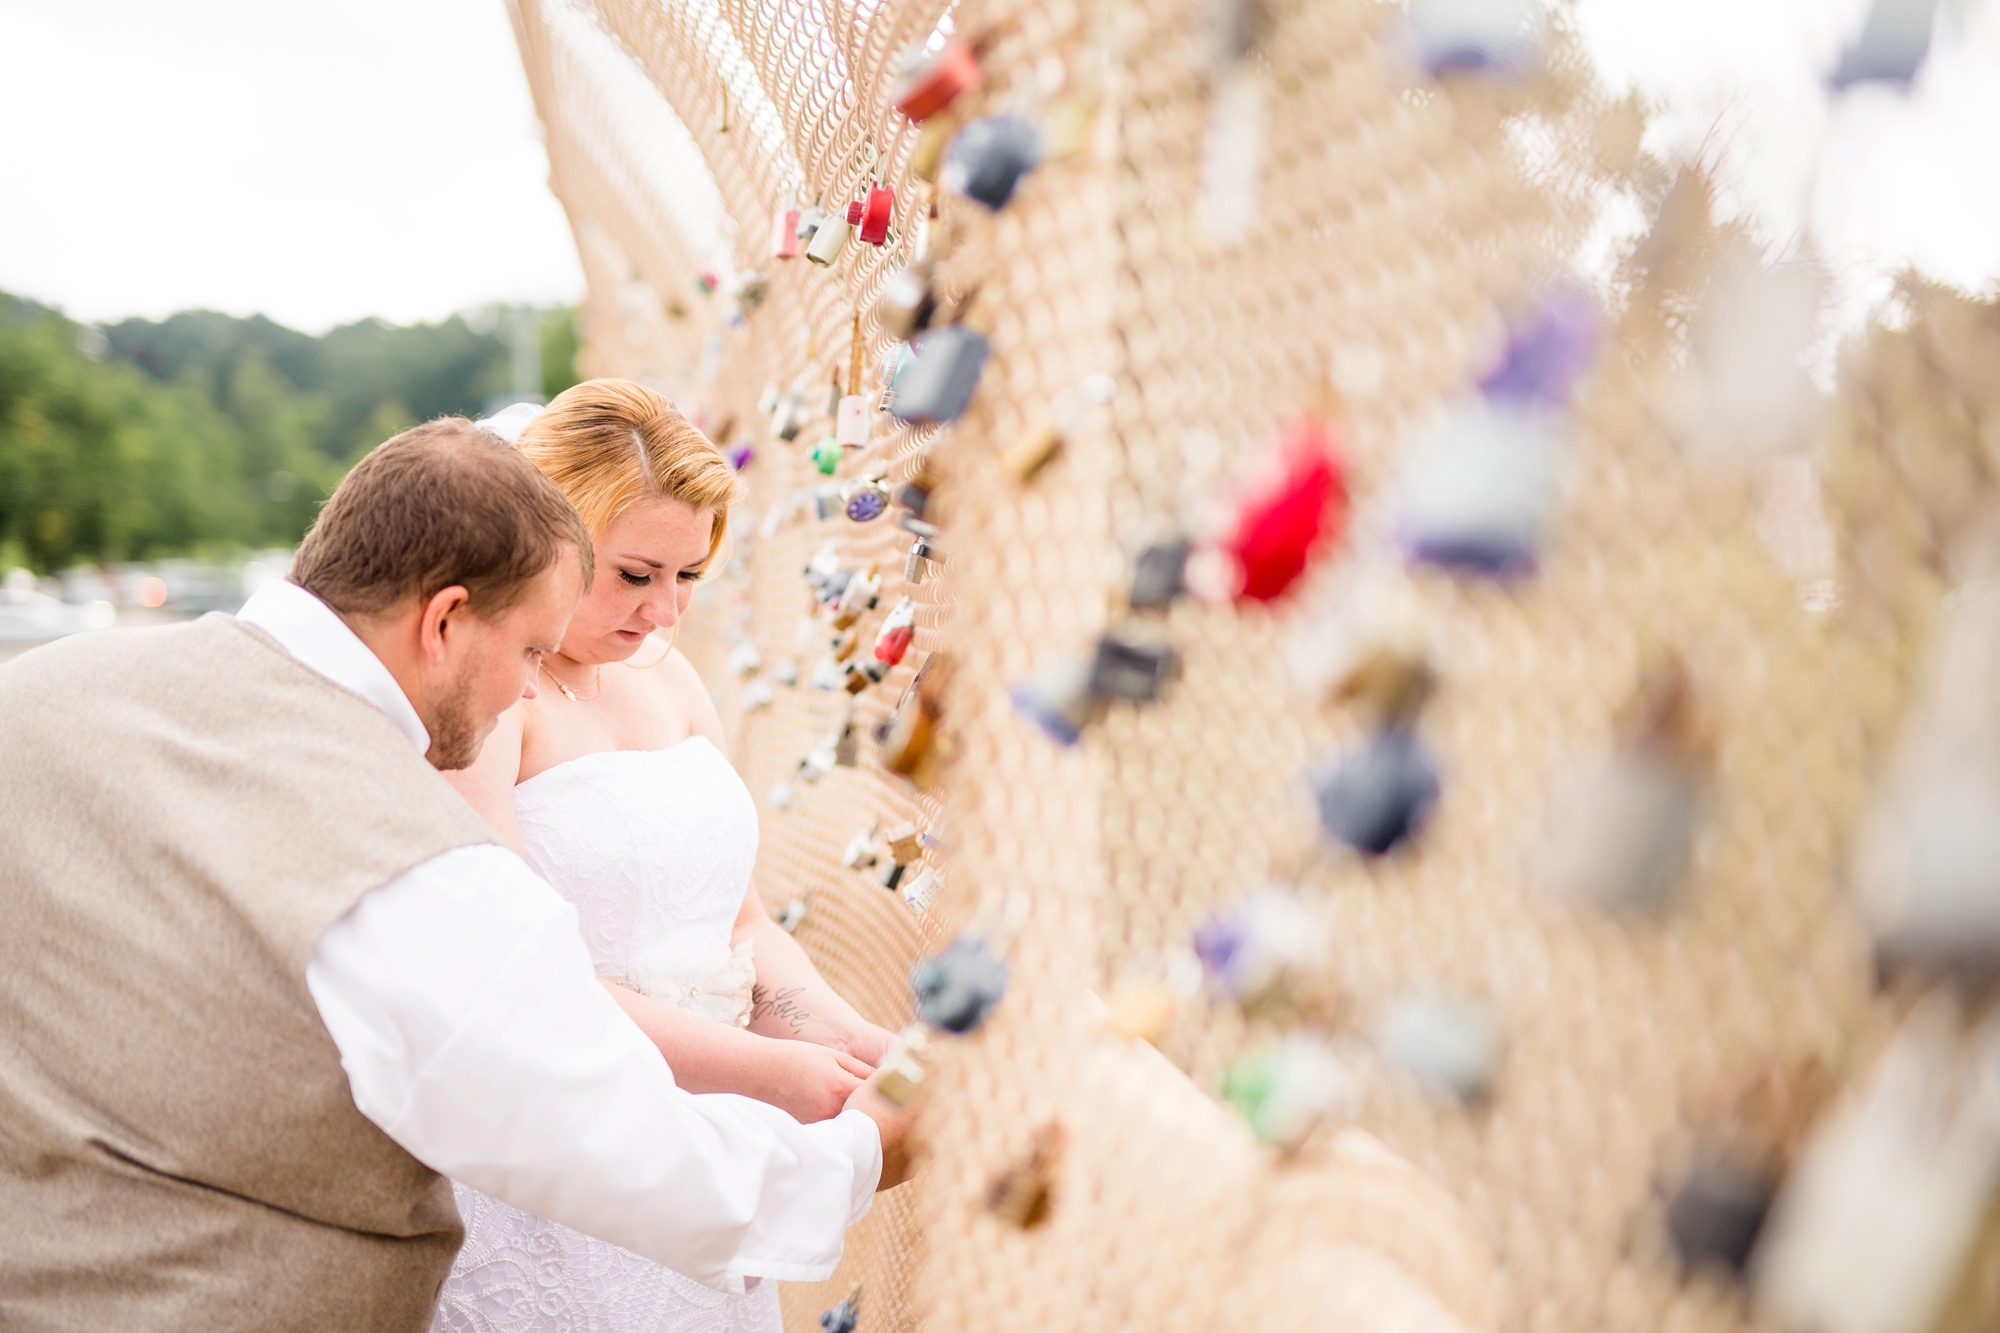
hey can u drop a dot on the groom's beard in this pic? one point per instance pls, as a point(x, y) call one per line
point(454, 732)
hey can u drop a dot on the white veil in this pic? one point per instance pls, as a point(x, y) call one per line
point(510, 421)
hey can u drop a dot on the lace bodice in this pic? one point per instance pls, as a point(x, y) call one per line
point(655, 848)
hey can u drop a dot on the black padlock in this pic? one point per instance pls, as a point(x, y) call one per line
point(1130, 668)
point(1158, 574)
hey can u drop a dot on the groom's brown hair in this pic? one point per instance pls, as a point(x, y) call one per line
point(443, 504)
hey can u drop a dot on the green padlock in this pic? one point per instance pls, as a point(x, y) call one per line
point(826, 454)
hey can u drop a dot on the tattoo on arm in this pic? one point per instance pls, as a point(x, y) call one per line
point(782, 1005)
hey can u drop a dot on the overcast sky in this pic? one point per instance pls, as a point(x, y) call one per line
point(319, 163)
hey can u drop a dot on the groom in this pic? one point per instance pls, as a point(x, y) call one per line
point(265, 979)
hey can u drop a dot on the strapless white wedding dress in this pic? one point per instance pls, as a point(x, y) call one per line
point(655, 849)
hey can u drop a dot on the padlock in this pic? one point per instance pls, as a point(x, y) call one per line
point(829, 239)
point(869, 216)
point(903, 1066)
point(1021, 1194)
point(898, 629)
point(1544, 359)
point(786, 672)
point(852, 422)
point(1059, 699)
point(1479, 488)
point(892, 875)
point(822, 759)
point(843, 644)
point(905, 843)
point(1391, 681)
point(864, 499)
point(1157, 574)
point(1477, 35)
point(785, 234)
point(929, 81)
point(862, 850)
point(1719, 1209)
point(1285, 1089)
point(1379, 796)
point(757, 694)
point(1629, 832)
point(927, 158)
point(908, 301)
point(847, 746)
point(780, 796)
point(1878, 1221)
point(844, 1317)
point(914, 495)
point(826, 501)
point(917, 563)
point(1033, 451)
point(1261, 943)
point(1128, 667)
point(860, 594)
point(921, 889)
point(793, 916)
point(809, 222)
point(942, 372)
point(910, 737)
point(1297, 503)
point(1442, 1040)
point(1891, 45)
point(958, 988)
point(860, 675)
point(788, 416)
point(988, 157)
point(827, 673)
point(706, 283)
point(740, 456)
point(826, 455)
point(745, 659)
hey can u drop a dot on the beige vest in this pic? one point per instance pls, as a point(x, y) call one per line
point(183, 811)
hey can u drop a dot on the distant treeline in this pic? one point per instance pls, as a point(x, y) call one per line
point(205, 433)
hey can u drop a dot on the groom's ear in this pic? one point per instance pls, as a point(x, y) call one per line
point(441, 622)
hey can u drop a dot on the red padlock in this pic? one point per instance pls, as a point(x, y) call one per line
point(871, 217)
point(932, 81)
point(1282, 517)
point(897, 631)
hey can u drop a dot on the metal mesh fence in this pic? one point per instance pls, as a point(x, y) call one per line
point(1362, 258)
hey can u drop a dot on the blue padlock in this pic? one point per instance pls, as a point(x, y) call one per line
point(1380, 795)
point(959, 987)
point(989, 157)
point(937, 381)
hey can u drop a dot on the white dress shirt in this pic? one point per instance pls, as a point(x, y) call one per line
point(474, 1033)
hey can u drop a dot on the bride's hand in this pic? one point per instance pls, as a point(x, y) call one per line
point(868, 1043)
point(810, 1082)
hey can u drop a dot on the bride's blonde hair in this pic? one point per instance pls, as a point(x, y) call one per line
point(609, 443)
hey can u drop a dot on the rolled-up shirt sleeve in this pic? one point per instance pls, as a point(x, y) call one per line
point(473, 1033)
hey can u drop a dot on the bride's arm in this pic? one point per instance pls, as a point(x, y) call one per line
point(808, 1082)
point(791, 1000)
point(488, 785)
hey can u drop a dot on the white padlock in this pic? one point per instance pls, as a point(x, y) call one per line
point(852, 424)
point(829, 240)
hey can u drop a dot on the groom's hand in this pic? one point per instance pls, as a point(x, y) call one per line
point(894, 1123)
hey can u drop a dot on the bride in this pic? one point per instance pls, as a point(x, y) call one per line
point(610, 779)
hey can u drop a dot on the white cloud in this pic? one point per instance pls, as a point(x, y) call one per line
point(313, 163)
